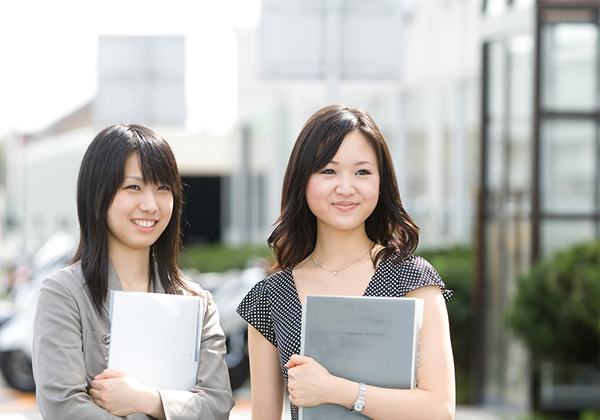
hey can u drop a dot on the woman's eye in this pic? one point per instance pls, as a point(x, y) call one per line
point(364, 172)
point(132, 187)
point(164, 188)
point(328, 171)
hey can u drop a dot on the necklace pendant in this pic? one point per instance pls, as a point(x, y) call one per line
point(334, 273)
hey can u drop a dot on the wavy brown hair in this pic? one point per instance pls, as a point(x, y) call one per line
point(101, 174)
point(295, 233)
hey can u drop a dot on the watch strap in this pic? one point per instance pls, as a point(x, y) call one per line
point(359, 404)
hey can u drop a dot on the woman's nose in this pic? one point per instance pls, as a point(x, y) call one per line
point(345, 186)
point(148, 202)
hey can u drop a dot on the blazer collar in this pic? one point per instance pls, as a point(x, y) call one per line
point(114, 283)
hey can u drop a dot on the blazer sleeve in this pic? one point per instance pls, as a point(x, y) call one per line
point(211, 398)
point(58, 360)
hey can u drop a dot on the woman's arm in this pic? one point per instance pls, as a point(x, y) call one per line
point(310, 384)
point(58, 361)
point(266, 379)
point(122, 395)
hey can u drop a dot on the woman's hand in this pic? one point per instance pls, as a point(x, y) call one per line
point(309, 383)
point(122, 395)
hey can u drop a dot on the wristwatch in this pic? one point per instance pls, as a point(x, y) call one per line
point(359, 404)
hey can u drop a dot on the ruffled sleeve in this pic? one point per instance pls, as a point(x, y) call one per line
point(428, 276)
point(396, 277)
point(255, 308)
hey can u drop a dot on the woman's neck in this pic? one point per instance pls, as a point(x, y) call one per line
point(337, 247)
point(133, 268)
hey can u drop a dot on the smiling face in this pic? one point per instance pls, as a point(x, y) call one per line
point(344, 193)
point(139, 211)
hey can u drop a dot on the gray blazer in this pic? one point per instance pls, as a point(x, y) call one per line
point(69, 350)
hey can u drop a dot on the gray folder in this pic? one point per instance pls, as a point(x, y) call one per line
point(365, 339)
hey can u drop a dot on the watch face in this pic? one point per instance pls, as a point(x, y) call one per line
point(358, 407)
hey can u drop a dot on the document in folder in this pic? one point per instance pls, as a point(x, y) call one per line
point(156, 338)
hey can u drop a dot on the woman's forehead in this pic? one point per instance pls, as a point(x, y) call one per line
point(133, 170)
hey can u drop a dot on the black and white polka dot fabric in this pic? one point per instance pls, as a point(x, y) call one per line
point(273, 308)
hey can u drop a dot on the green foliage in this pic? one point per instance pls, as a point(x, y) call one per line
point(556, 310)
point(456, 267)
point(584, 415)
point(589, 415)
point(217, 258)
point(538, 416)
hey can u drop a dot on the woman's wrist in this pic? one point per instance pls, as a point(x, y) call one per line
point(344, 392)
point(152, 404)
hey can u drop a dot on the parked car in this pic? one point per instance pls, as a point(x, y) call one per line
point(228, 290)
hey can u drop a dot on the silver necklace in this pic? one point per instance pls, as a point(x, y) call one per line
point(340, 269)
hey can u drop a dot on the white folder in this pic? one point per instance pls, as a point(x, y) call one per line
point(156, 338)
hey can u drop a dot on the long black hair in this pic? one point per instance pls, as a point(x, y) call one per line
point(101, 174)
point(295, 233)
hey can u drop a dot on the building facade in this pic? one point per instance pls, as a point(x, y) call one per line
point(539, 172)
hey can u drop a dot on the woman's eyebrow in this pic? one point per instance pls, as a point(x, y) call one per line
point(362, 162)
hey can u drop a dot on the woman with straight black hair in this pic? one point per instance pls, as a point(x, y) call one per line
point(343, 231)
point(129, 204)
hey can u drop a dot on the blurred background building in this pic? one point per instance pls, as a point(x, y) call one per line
point(539, 169)
point(491, 109)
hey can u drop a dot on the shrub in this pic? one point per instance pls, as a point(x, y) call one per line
point(217, 258)
point(456, 267)
point(556, 310)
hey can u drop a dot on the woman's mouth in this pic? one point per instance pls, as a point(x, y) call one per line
point(144, 223)
point(344, 205)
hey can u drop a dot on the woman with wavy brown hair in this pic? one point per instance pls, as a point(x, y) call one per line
point(343, 231)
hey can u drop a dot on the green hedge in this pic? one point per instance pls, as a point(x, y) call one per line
point(556, 310)
point(217, 258)
point(456, 267)
point(584, 415)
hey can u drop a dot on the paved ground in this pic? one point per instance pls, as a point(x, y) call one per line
point(16, 405)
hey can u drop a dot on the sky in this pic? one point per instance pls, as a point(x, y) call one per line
point(48, 54)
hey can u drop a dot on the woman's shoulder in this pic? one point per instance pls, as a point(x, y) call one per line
point(278, 277)
point(407, 262)
point(411, 268)
point(194, 289)
point(274, 280)
point(70, 276)
point(277, 285)
point(412, 272)
point(66, 283)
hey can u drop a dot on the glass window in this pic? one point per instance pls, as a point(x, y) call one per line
point(416, 139)
point(495, 7)
point(496, 118)
point(568, 156)
point(510, 130)
point(570, 67)
point(523, 4)
point(557, 235)
point(520, 129)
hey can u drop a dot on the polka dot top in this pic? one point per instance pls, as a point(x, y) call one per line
point(273, 308)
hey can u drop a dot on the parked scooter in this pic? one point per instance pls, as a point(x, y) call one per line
point(16, 334)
